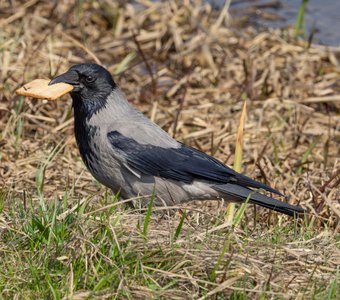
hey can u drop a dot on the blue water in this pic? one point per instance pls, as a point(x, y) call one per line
point(322, 16)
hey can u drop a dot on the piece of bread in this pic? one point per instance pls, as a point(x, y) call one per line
point(39, 88)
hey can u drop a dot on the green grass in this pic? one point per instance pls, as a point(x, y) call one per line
point(52, 250)
point(300, 26)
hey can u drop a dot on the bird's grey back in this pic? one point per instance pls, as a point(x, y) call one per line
point(118, 115)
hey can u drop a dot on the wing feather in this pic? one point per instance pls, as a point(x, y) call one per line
point(183, 164)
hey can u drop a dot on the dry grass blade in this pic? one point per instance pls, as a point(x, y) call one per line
point(237, 160)
point(226, 284)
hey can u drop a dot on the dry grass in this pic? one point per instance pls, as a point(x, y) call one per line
point(63, 235)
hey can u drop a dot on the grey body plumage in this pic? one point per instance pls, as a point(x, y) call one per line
point(130, 154)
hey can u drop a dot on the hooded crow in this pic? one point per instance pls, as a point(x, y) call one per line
point(127, 152)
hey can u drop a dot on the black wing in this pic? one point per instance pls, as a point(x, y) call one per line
point(183, 164)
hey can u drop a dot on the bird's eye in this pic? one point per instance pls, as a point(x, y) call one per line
point(89, 78)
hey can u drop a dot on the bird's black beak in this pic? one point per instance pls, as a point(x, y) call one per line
point(70, 77)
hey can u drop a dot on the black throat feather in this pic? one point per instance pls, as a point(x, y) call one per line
point(84, 109)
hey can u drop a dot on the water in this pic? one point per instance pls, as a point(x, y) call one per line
point(322, 16)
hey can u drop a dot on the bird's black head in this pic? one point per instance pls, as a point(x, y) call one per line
point(92, 84)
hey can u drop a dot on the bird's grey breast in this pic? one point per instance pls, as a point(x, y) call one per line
point(101, 159)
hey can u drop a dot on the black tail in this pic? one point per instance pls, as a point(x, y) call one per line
point(238, 193)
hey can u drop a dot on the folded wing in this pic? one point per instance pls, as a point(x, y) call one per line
point(183, 164)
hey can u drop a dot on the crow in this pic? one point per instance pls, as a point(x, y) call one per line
point(130, 154)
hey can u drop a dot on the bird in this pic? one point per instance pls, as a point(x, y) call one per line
point(128, 153)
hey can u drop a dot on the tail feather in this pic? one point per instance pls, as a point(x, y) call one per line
point(239, 193)
point(246, 181)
